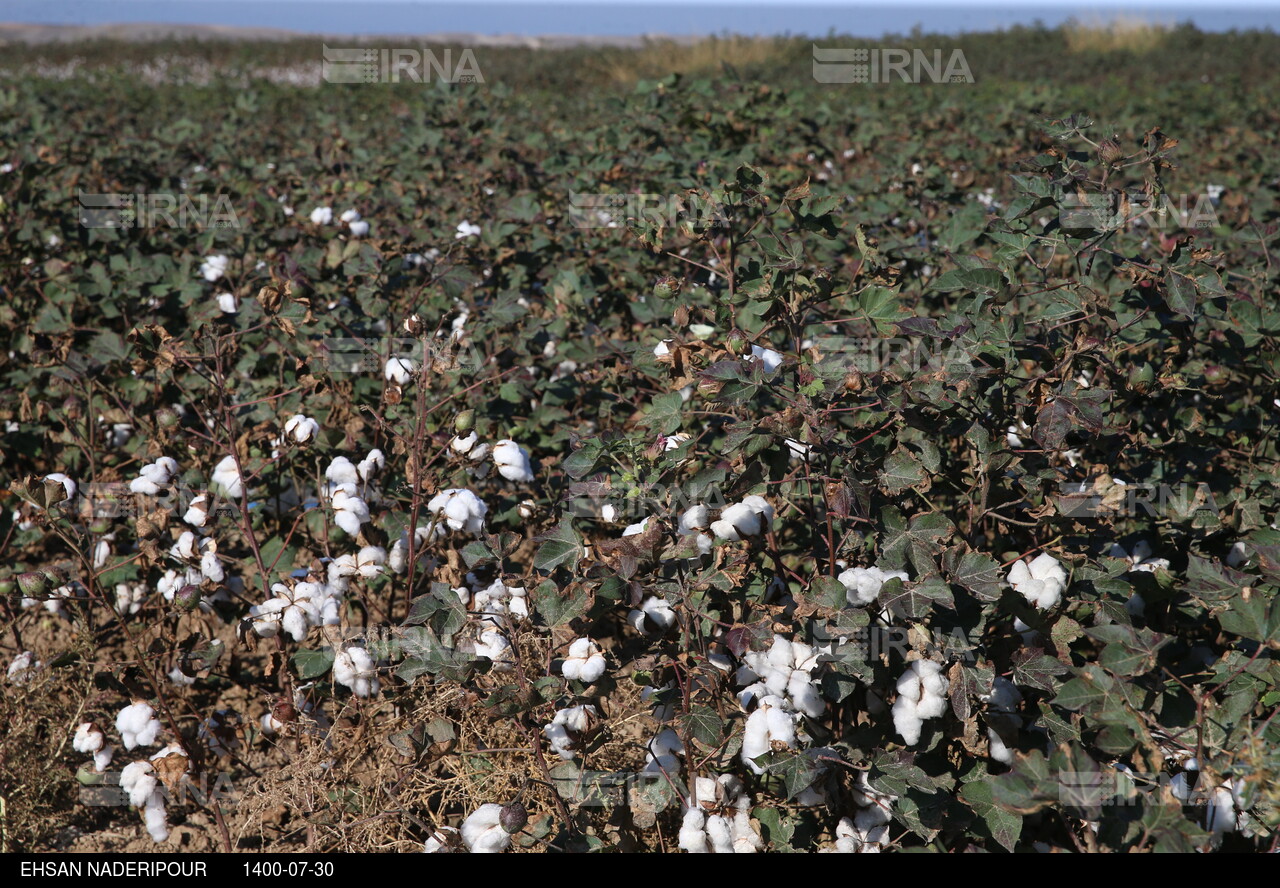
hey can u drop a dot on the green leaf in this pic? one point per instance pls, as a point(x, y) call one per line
point(560, 546)
point(974, 280)
point(556, 609)
point(1005, 826)
point(704, 724)
point(311, 664)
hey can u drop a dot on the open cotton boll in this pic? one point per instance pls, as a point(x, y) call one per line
point(227, 476)
point(694, 518)
point(154, 477)
point(322, 216)
point(771, 722)
point(291, 609)
point(567, 728)
point(922, 694)
point(399, 370)
point(213, 268)
point(340, 474)
point(585, 662)
point(1002, 703)
point(1041, 582)
point(227, 303)
point(197, 514)
point(89, 738)
point(302, 428)
point(460, 508)
point(653, 617)
point(465, 445)
point(369, 467)
point(466, 229)
point(139, 781)
point(358, 228)
point(155, 818)
point(445, 840)
point(663, 753)
point(129, 597)
point(662, 349)
point(735, 522)
point(482, 831)
point(355, 669)
point(767, 357)
point(137, 725)
point(370, 560)
point(512, 461)
point(637, 528)
point(863, 584)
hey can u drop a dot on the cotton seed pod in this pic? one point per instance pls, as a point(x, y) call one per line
point(413, 325)
point(737, 343)
point(33, 584)
point(284, 712)
point(187, 598)
point(464, 422)
point(1109, 151)
point(667, 287)
point(513, 817)
point(167, 418)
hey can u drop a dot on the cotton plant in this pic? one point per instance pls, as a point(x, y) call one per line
point(137, 725)
point(784, 672)
point(90, 740)
point(863, 584)
point(565, 732)
point(751, 517)
point(922, 695)
point(585, 662)
point(717, 818)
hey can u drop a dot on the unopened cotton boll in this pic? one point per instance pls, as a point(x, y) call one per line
point(922, 694)
point(1041, 582)
point(137, 725)
point(355, 669)
point(302, 428)
point(863, 584)
point(512, 461)
point(483, 833)
point(585, 662)
point(399, 370)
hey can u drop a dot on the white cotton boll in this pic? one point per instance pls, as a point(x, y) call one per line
point(466, 229)
point(636, 529)
point(102, 758)
point(512, 461)
point(770, 723)
point(1237, 555)
point(566, 727)
point(694, 518)
point(769, 358)
point(185, 548)
point(585, 662)
point(137, 725)
point(341, 472)
point(211, 566)
point(464, 445)
point(139, 781)
point(863, 584)
point(1041, 582)
point(154, 817)
point(302, 428)
point(101, 552)
point(719, 834)
point(370, 560)
point(922, 694)
point(322, 216)
point(663, 753)
point(350, 216)
point(661, 348)
point(693, 834)
point(461, 508)
point(227, 476)
point(197, 514)
point(653, 617)
point(483, 833)
point(493, 645)
point(735, 522)
point(129, 598)
point(1220, 817)
point(399, 370)
point(359, 228)
point(804, 695)
point(89, 738)
point(442, 841)
point(355, 669)
point(228, 303)
point(369, 467)
point(213, 268)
